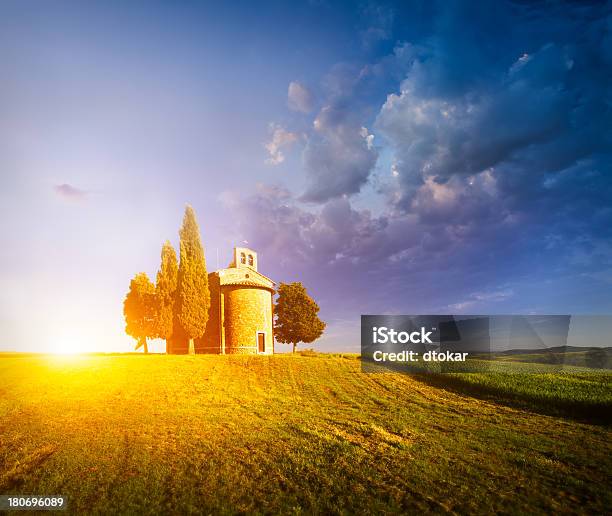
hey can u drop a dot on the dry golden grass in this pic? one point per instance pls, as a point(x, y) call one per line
point(212, 434)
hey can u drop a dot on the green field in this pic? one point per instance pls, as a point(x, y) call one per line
point(575, 392)
point(298, 434)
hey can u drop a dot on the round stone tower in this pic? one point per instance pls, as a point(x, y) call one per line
point(241, 311)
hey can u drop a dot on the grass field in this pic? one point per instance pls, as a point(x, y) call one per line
point(291, 434)
point(575, 392)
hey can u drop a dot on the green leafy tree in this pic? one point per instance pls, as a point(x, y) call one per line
point(193, 295)
point(296, 316)
point(165, 292)
point(139, 309)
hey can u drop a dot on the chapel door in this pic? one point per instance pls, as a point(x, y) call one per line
point(261, 342)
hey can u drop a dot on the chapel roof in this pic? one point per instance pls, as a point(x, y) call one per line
point(244, 276)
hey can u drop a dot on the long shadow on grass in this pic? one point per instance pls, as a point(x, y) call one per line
point(595, 412)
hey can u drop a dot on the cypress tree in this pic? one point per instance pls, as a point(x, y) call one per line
point(165, 292)
point(139, 310)
point(193, 296)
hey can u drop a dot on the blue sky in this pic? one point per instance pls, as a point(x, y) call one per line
point(414, 157)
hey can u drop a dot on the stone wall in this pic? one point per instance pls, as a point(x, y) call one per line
point(248, 310)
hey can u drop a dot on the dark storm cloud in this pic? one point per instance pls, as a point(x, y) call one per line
point(516, 150)
point(377, 20)
point(339, 156)
point(498, 131)
point(275, 221)
point(520, 110)
point(357, 262)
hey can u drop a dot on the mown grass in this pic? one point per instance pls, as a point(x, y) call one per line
point(290, 434)
point(558, 389)
point(577, 395)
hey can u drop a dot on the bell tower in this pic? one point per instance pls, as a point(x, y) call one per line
point(245, 258)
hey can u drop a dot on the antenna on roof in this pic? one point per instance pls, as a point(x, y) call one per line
point(217, 258)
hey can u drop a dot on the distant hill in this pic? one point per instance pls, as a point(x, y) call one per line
point(593, 357)
point(556, 349)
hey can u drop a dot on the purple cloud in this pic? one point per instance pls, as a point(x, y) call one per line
point(70, 192)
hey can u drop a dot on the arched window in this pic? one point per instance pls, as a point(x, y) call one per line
point(242, 258)
point(251, 260)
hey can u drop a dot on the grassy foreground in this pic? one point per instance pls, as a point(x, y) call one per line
point(575, 392)
point(291, 434)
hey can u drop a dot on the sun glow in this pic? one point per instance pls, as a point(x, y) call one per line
point(67, 344)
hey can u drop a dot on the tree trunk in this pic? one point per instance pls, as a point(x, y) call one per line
point(294, 345)
point(167, 346)
point(142, 342)
point(191, 347)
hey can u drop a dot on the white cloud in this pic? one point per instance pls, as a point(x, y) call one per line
point(280, 139)
point(369, 138)
point(482, 299)
point(299, 98)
